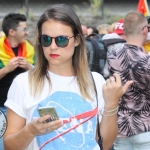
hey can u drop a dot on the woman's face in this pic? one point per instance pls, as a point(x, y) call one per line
point(57, 57)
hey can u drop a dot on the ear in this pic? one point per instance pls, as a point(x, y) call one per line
point(11, 32)
point(145, 31)
point(77, 41)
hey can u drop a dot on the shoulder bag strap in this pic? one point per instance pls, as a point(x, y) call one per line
point(98, 128)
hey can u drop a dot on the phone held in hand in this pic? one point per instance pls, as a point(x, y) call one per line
point(49, 110)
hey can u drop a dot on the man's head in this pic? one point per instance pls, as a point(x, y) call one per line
point(84, 30)
point(14, 26)
point(135, 24)
point(148, 36)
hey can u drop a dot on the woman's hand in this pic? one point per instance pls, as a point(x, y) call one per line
point(38, 126)
point(113, 90)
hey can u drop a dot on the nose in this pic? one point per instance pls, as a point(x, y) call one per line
point(27, 32)
point(53, 44)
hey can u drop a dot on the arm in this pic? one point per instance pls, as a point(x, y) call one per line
point(11, 66)
point(21, 135)
point(112, 92)
point(3, 72)
point(17, 133)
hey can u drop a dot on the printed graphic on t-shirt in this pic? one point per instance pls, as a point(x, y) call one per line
point(68, 104)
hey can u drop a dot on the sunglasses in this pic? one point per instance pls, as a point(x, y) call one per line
point(61, 41)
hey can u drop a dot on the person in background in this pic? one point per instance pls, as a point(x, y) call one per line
point(112, 27)
point(147, 42)
point(62, 79)
point(91, 30)
point(103, 29)
point(16, 54)
point(84, 30)
point(114, 42)
point(131, 63)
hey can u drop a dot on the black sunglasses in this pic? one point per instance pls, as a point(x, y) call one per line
point(61, 41)
point(147, 28)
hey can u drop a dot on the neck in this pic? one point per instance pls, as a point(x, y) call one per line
point(13, 43)
point(135, 40)
point(62, 70)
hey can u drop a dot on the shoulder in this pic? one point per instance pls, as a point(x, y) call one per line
point(28, 44)
point(22, 77)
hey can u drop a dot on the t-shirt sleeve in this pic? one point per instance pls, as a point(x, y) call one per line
point(15, 99)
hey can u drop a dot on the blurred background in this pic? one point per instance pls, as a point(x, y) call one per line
point(90, 12)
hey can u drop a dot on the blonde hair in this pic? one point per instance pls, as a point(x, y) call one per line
point(112, 27)
point(103, 28)
point(64, 14)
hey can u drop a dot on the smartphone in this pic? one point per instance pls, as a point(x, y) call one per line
point(49, 110)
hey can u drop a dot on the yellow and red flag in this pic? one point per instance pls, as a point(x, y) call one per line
point(143, 7)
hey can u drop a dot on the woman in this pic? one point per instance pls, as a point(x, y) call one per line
point(61, 78)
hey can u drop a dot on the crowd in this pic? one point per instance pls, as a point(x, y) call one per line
point(55, 73)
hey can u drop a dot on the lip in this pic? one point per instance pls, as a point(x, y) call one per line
point(54, 55)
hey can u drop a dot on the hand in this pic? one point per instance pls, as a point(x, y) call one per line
point(113, 90)
point(12, 65)
point(24, 64)
point(38, 127)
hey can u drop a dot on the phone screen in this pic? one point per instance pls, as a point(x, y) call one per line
point(48, 111)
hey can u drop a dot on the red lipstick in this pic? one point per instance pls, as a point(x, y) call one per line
point(54, 55)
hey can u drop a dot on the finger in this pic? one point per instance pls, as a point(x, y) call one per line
point(112, 79)
point(53, 125)
point(117, 77)
point(126, 86)
point(21, 58)
point(107, 81)
point(44, 118)
point(21, 62)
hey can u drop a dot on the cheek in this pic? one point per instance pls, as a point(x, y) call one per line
point(45, 52)
point(69, 50)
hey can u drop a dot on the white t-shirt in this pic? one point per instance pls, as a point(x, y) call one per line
point(66, 98)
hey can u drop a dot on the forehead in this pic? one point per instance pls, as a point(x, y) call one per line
point(22, 24)
point(54, 28)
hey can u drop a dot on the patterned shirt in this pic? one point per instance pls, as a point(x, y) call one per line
point(134, 106)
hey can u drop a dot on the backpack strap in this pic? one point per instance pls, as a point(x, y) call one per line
point(96, 56)
point(100, 52)
point(109, 42)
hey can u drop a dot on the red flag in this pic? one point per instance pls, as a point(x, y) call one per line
point(143, 7)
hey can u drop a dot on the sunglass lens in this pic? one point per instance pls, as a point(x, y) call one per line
point(46, 40)
point(62, 41)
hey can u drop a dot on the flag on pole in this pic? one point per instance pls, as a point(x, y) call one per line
point(143, 7)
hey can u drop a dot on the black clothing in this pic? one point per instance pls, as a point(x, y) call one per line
point(6, 81)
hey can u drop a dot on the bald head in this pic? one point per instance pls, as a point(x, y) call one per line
point(84, 30)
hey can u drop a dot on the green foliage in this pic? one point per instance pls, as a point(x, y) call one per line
point(112, 19)
point(95, 6)
point(23, 11)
